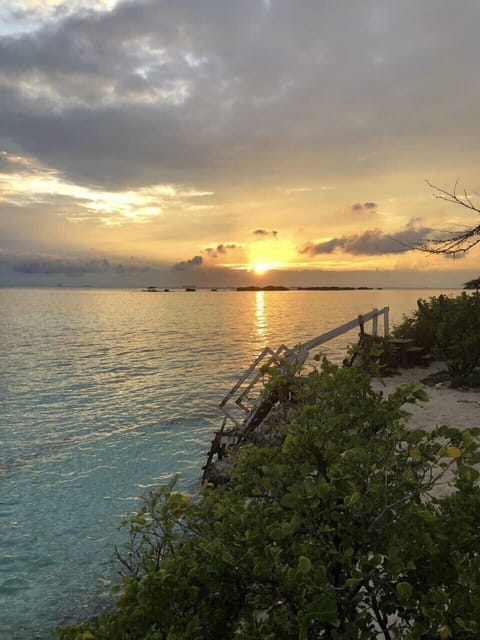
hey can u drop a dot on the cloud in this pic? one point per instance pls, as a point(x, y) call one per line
point(260, 232)
point(11, 163)
point(24, 182)
point(185, 265)
point(372, 242)
point(220, 249)
point(50, 265)
point(139, 94)
point(366, 206)
point(30, 14)
point(189, 95)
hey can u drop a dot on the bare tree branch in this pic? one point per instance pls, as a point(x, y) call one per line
point(453, 242)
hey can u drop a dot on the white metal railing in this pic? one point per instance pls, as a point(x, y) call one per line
point(348, 326)
point(296, 357)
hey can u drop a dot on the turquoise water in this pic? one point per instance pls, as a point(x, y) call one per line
point(105, 394)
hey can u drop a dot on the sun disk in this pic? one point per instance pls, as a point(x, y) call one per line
point(261, 267)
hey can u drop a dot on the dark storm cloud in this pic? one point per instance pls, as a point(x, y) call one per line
point(265, 232)
point(208, 90)
point(220, 249)
point(45, 264)
point(372, 242)
point(185, 265)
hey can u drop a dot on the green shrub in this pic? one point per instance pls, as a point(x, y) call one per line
point(449, 328)
point(336, 534)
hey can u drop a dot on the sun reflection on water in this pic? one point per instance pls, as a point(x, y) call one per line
point(260, 317)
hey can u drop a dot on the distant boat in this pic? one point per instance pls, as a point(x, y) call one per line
point(151, 290)
point(190, 289)
point(213, 289)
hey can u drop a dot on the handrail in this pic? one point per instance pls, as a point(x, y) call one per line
point(348, 326)
point(296, 356)
point(301, 352)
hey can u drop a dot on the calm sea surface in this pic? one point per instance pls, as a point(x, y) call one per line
point(104, 394)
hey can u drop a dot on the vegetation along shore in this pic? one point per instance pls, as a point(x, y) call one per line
point(339, 520)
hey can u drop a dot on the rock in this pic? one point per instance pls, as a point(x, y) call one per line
point(219, 472)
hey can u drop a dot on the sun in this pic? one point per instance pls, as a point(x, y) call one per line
point(260, 268)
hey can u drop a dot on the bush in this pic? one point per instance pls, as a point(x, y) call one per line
point(335, 534)
point(449, 328)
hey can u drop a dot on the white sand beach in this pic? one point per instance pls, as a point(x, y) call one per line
point(446, 406)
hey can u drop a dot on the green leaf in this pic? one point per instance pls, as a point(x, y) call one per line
point(404, 591)
point(303, 623)
point(325, 609)
point(349, 501)
point(304, 564)
point(461, 623)
point(261, 568)
point(352, 582)
point(276, 533)
point(290, 501)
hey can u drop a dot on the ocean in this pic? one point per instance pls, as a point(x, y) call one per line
point(104, 395)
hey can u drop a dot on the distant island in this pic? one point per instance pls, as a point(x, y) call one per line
point(272, 287)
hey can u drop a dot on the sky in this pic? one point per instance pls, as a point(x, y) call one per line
point(234, 142)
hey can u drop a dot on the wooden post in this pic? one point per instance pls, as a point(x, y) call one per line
point(361, 323)
point(375, 324)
